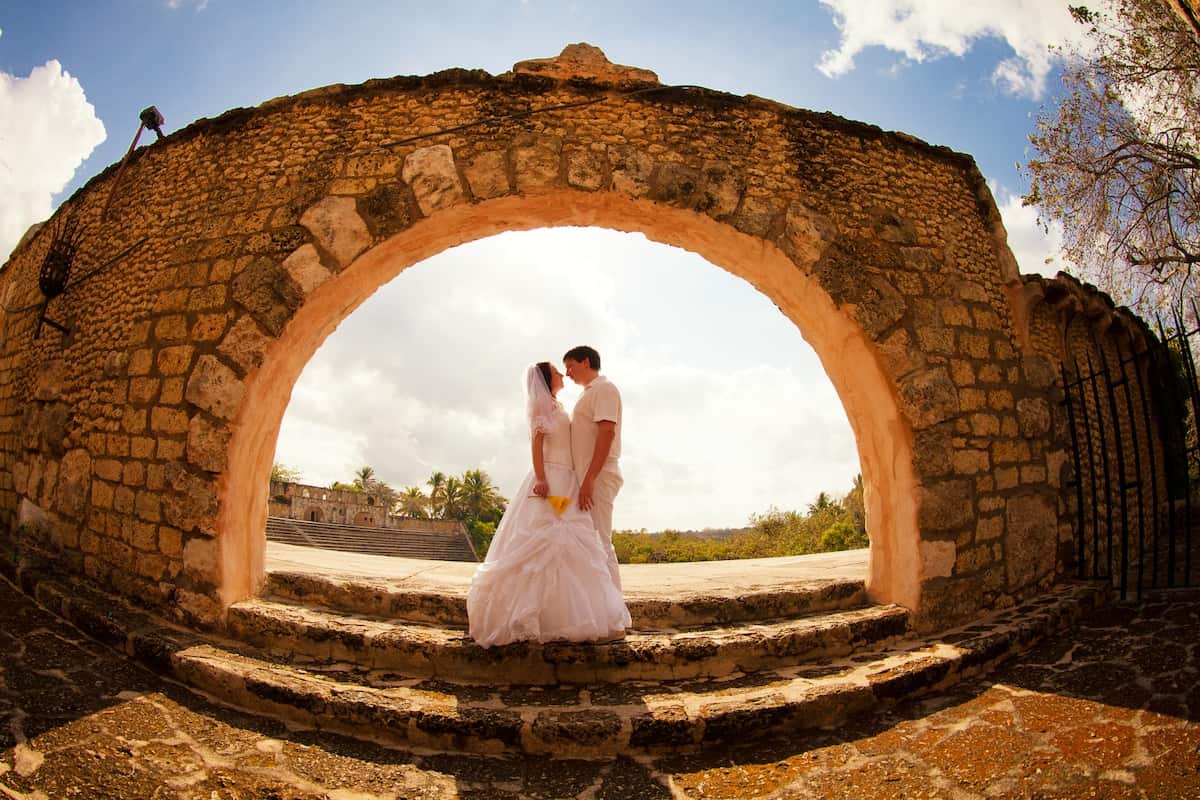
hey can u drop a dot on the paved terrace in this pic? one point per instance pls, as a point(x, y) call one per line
point(1110, 711)
point(639, 580)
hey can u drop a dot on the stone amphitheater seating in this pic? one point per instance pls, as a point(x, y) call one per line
point(372, 541)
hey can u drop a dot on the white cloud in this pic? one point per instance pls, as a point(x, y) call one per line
point(922, 30)
point(1035, 249)
point(47, 129)
point(727, 410)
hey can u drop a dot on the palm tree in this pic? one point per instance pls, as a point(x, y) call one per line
point(363, 477)
point(822, 502)
point(413, 502)
point(479, 494)
point(452, 499)
point(384, 494)
point(437, 493)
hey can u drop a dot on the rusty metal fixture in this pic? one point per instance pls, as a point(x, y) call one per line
point(149, 118)
point(65, 237)
point(56, 266)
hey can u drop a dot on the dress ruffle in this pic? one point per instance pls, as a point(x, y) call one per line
point(546, 576)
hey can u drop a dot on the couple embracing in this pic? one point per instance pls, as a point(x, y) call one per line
point(551, 572)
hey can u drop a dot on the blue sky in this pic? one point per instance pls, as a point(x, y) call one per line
point(970, 75)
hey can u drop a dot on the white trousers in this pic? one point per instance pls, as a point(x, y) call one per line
point(604, 492)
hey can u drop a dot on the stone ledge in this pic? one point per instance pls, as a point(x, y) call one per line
point(428, 651)
point(378, 598)
point(567, 721)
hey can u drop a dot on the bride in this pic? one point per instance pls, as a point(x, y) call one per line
point(546, 574)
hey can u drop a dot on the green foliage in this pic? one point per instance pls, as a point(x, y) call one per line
point(413, 503)
point(481, 534)
point(284, 473)
point(829, 525)
point(841, 535)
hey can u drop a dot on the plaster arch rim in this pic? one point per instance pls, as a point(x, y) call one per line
point(883, 436)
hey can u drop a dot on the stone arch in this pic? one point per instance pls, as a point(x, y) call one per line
point(870, 398)
point(316, 515)
point(141, 437)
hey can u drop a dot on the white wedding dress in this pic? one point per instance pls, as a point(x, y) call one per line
point(546, 576)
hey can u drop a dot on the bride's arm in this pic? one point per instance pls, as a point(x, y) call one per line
point(540, 487)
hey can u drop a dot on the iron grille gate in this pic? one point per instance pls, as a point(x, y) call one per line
point(1133, 419)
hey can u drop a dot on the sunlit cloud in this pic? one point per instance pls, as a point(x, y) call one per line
point(47, 129)
point(925, 30)
point(1037, 249)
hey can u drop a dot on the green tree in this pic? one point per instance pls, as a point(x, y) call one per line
point(437, 493)
point(452, 500)
point(385, 496)
point(822, 502)
point(841, 535)
point(479, 496)
point(854, 503)
point(413, 502)
point(284, 473)
point(481, 534)
point(364, 477)
point(1117, 160)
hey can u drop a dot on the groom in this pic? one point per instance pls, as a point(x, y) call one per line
point(596, 444)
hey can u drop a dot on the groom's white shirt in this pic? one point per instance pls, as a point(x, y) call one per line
point(600, 402)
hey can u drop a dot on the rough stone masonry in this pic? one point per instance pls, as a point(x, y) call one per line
point(134, 449)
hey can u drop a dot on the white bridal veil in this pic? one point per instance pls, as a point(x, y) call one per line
point(539, 402)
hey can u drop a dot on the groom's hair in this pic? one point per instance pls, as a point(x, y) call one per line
point(584, 353)
point(544, 368)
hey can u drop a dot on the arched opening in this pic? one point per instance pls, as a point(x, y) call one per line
point(883, 437)
point(315, 515)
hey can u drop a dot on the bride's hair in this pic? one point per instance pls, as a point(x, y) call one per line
point(544, 368)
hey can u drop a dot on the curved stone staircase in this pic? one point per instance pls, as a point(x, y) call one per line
point(389, 664)
point(394, 665)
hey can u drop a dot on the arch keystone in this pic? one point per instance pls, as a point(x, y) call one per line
point(536, 162)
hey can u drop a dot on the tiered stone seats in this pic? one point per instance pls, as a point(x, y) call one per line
point(372, 541)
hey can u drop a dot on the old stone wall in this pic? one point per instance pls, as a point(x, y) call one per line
point(1126, 425)
point(322, 504)
point(130, 448)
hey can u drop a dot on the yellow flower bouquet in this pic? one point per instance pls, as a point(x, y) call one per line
point(557, 502)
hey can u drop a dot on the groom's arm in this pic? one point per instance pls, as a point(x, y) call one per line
point(604, 439)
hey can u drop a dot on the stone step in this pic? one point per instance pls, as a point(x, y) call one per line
point(306, 634)
point(447, 606)
point(570, 721)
